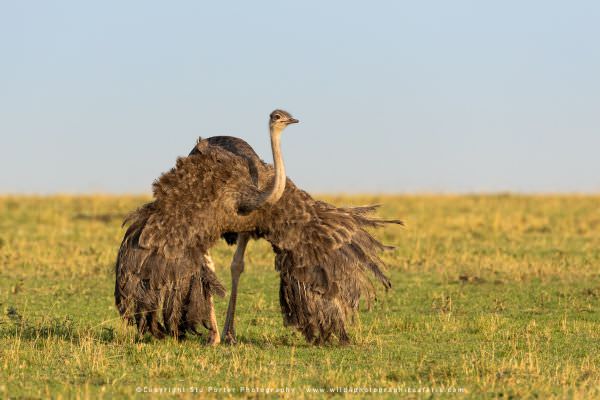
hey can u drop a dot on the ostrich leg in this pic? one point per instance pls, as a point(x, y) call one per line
point(214, 337)
point(237, 267)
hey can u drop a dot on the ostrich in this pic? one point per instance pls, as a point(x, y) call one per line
point(223, 189)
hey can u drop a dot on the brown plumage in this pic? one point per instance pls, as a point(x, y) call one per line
point(324, 254)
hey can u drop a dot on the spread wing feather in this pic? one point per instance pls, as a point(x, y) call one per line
point(160, 295)
point(325, 256)
point(163, 281)
point(196, 202)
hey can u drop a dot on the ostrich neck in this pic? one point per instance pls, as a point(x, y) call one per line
point(277, 186)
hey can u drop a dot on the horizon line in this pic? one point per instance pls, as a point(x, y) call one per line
point(424, 193)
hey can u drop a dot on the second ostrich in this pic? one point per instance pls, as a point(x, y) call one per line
point(324, 254)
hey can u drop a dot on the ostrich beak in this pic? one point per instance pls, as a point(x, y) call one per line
point(292, 121)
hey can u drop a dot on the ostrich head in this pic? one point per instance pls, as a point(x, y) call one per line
point(280, 119)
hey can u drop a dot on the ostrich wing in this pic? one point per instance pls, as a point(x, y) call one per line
point(163, 264)
point(196, 202)
point(325, 257)
point(321, 234)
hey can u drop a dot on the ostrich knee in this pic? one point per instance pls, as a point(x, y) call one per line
point(237, 267)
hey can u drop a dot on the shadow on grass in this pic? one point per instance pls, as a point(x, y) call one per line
point(18, 327)
point(62, 329)
point(15, 326)
point(65, 329)
point(287, 338)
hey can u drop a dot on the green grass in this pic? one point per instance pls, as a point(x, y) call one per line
point(498, 296)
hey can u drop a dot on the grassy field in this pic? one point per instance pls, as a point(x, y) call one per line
point(495, 296)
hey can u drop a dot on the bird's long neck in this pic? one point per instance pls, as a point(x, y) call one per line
point(277, 186)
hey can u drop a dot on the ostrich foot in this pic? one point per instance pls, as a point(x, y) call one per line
point(214, 338)
point(229, 336)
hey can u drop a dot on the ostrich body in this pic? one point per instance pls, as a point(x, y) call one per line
point(223, 189)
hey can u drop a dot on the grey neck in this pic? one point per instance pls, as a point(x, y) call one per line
point(277, 186)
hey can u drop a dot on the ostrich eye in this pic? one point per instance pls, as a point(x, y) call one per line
point(276, 117)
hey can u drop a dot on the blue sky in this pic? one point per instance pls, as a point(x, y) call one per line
point(435, 96)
